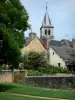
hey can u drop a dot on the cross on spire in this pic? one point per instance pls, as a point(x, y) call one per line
point(46, 5)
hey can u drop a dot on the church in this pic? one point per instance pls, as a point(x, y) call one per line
point(59, 53)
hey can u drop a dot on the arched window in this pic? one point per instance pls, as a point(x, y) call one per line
point(48, 32)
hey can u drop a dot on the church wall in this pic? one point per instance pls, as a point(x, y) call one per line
point(34, 45)
point(55, 59)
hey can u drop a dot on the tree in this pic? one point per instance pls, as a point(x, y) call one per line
point(13, 23)
point(35, 60)
point(15, 17)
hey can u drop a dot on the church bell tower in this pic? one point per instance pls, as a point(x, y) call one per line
point(47, 29)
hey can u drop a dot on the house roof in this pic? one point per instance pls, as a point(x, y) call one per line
point(55, 43)
point(63, 41)
point(63, 52)
point(60, 43)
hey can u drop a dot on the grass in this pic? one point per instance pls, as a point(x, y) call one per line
point(10, 97)
point(28, 90)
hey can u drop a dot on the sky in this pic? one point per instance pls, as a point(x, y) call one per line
point(61, 13)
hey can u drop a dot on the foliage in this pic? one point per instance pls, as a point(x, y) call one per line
point(25, 62)
point(50, 69)
point(13, 23)
point(10, 52)
point(4, 67)
point(34, 60)
point(34, 73)
point(37, 64)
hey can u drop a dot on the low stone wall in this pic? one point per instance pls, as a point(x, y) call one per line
point(54, 81)
point(58, 82)
point(6, 76)
point(17, 76)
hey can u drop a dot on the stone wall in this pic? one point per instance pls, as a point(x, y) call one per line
point(8, 76)
point(19, 76)
point(58, 82)
point(53, 81)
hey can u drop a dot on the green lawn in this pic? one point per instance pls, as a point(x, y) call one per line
point(10, 97)
point(28, 90)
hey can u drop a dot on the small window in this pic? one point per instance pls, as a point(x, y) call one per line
point(53, 53)
point(46, 32)
point(59, 64)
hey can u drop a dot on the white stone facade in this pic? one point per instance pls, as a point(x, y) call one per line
point(55, 59)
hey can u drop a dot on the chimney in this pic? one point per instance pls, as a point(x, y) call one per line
point(44, 42)
point(32, 35)
point(73, 43)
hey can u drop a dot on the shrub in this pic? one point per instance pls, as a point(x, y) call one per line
point(37, 63)
point(34, 60)
point(34, 73)
point(4, 67)
point(50, 69)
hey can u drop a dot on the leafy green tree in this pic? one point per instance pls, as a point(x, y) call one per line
point(13, 23)
point(15, 17)
point(35, 60)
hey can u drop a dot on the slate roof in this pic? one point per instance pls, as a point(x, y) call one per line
point(60, 43)
point(46, 20)
point(63, 52)
point(55, 43)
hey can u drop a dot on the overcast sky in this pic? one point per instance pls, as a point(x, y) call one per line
point(61, 12)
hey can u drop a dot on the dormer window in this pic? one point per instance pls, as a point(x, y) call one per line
point(46, 32)
point(49, 32)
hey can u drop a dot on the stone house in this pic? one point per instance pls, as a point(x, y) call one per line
point(33, 44)
point(62, 57)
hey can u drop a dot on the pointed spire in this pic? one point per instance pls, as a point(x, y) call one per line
point(46, 20)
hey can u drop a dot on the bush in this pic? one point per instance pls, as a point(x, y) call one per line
point(34, 60)
point(37, 63)
point(34, 73)
point(50, 69)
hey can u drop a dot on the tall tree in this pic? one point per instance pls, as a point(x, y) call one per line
point(13, 23)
